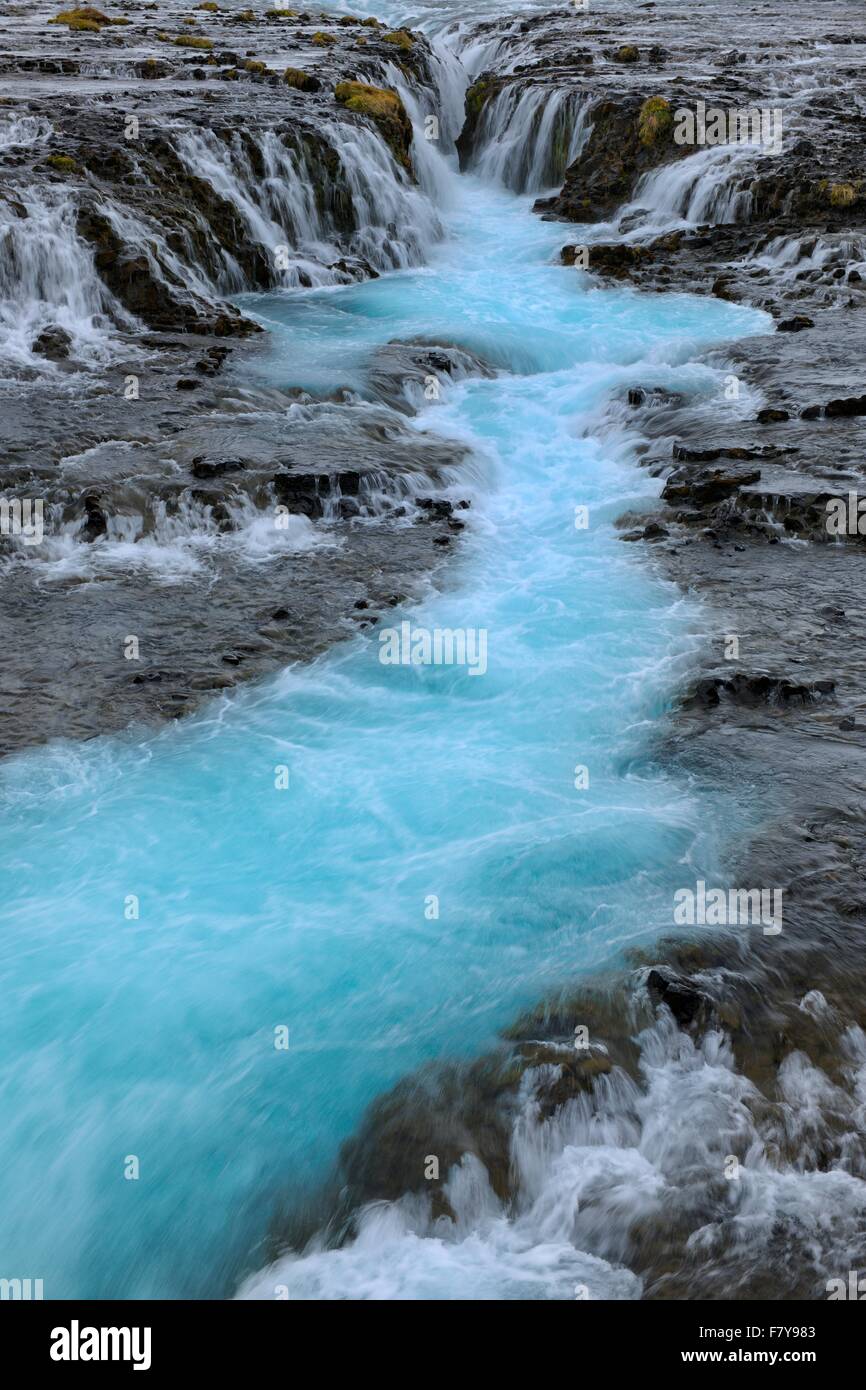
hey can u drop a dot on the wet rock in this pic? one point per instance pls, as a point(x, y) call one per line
point(707, 486)
point(795, 324)
point(95, 519)
point(206, 468)
point(616, 260)
point(845, 407)
point(438, 508)
point(53, 343)
point(302, 81)
point(133, 280)
point(753, 690)
point(687, 1004)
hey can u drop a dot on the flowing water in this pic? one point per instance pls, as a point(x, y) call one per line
point(385, 860)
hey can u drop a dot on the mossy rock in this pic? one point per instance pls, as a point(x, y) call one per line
point(323, 40)
point(654, 121)
point(82, 17)
point(401, 38)
point(248, 16)
point(192, 41)
point(209, 6)
point(253, 65)
point(63, 163)
point(842, 195)
point(372, 23)
point(627, 53)
point(300, 80)
point(385, 108)
point(476, 96)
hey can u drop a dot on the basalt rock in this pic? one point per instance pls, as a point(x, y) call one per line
point(707, 486)
point(753, 690)
point(53, 343)
point(629, 137)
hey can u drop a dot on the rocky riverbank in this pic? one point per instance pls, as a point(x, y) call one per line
point(155, 161)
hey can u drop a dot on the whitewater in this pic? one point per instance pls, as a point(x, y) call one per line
point(380, 863)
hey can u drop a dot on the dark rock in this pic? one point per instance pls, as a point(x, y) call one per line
point(770, 416)
point(204, 468)
point(753, 690)
point(796, 324)
point(53, 343)
point(845, 407)
point(686, 1003)
point(708, 485)
point(95, 520)
point(438, 507)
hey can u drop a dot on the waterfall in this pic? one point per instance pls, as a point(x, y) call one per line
point(528, 136)
point(705, 187)
point(16, 130)
point(47, 278)
point(307, 217)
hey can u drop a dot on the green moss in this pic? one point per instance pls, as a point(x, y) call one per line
point(300, 80)
point(208, 5)
point(627, 53)
point(385, 108)
point(322, 40)
point(252, 65)
point(476, 97)
point(372, 23)
point(192, 41)
point(82, 17)
point(368, 101)
point(842, 195)
point(401, 38)
point(64, 163)
point(654, 121)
